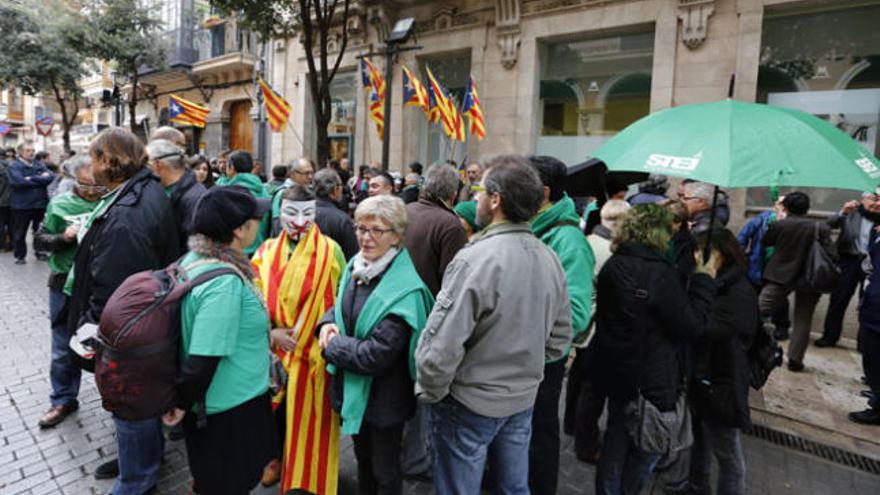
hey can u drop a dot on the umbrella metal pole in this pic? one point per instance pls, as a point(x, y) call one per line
point(707, 250)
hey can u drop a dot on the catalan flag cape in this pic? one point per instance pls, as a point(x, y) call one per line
point(474, 111)
point(277, 108)
point(299, 287)
point(414, 93)
point(444, 106)
point(372, 80)
point(185, 112)
point(400, 292)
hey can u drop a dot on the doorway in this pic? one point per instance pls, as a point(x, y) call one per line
point(241, 126)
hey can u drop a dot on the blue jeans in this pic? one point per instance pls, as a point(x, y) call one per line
point(141, 445)
point(623, 468)
point(64, 374)
point(462, 442)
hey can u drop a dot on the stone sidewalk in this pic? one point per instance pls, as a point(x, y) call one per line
point(62, 460)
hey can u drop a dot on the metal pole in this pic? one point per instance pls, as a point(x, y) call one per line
point(707, 249)
point(390, 52)
point(261, 127)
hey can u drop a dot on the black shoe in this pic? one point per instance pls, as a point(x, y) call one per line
point(866, 417)
point(795, 366)
point(20, 261)
point(108, 470)
point(780, 335)
point(823, 342)
point(867, 394)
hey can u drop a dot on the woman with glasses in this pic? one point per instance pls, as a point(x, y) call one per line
point(368, 338)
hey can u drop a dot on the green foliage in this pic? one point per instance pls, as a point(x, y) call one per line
point(124, 32)
point(267, 18)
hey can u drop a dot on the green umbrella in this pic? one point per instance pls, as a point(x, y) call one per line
point(736, 144)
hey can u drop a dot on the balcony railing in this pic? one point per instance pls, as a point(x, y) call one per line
point(222, 39)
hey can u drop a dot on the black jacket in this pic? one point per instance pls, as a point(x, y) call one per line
point(186, 194)
point(335, 224)
point(850, 229)
point(721, 388)
point(645, 318)
point(136, 233)
point(792, 238)
point(383, 355)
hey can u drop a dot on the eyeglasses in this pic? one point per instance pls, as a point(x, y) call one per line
point(307, 174)
point(374, 232)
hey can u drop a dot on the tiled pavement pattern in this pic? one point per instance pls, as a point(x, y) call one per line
point(62, 460)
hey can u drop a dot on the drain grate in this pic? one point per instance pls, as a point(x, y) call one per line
point(833, 454)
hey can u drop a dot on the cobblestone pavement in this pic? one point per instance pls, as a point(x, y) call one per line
point(62, 460)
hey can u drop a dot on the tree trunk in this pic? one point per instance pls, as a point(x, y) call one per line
point(133, 100)
point(64, 122)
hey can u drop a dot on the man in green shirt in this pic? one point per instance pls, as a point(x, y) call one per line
point(65, 215)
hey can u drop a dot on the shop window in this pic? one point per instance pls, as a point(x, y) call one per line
point(452, 72)
point(590, 89)
point(826, 64)
point(344, 93)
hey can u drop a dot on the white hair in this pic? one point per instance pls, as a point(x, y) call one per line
point(612, 213)
point(384, 207)
point(700, 190)
point(170, 153)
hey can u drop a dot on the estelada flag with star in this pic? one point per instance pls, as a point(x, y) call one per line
point(185, 112)
point(277, 108)
point(414, 93)
point(372, 80)
point(473, 110)
point(453, 124)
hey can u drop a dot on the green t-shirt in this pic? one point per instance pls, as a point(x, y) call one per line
point(64, 210)
point(224, 317)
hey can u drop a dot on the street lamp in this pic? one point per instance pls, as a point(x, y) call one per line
point(403, 30)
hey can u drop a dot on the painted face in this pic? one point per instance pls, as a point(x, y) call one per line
point(296, 217)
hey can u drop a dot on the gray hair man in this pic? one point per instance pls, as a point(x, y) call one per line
point(698, 197)
point(434, 237)
point(332, 221)
point(29, 180)
point(502, 311)
point(167, 161)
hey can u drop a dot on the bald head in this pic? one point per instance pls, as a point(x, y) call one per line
point(169, 133)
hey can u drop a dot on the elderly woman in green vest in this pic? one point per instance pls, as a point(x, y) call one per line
point(369, 338)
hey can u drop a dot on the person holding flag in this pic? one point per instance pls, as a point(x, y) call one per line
point(298, 273)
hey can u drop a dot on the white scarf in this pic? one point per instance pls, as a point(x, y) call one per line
point(365, 271)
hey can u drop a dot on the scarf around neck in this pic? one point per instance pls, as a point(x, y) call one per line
point(205, 246)
point(365, 271)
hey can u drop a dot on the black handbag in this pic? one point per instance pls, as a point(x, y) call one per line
point(820, 271)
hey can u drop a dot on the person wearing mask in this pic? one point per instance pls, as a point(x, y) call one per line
point(202, 170)
point(855, 220)
point(166, 160)
point(473, 176)
point(557, 225)
point(433, 238)
point(869, 336)
point(298, 273)
point(333, 222)
point(652, 190)
point(300, 171)
point(135, 218)
point(645, 313)
point(467, 215)
point(503, 311)
point(381, 183)
point(410, 192)
point(368, 338)
point(223, 394)
point(584, 402)
point(751, 239)
point(65, 215)
point(238, 170)
point(792, 239)
point(28, 180)
point(719, 393)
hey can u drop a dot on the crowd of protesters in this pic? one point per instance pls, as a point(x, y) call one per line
point(433, 316)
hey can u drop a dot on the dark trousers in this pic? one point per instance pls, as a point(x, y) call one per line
point(20, 221)
point(869, 343)
point(772, 296)
point(377, 451)
point(781, 317)
point(584, 403)
point(5, 227)
point(544, 446)
point(851, 276)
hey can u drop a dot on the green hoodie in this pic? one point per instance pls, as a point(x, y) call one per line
point(253, 184)
point(557, 227)
point(64, 210)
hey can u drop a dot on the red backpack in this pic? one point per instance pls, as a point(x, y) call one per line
point(137, 358)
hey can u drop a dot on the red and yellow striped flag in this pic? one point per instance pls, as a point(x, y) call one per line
point(453, 124)
point(299, 287)
point(185, 112)
point(474, 111)
point(277, 108)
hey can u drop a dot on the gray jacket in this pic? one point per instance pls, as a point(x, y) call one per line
point(850, 229)
point(502, 311)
